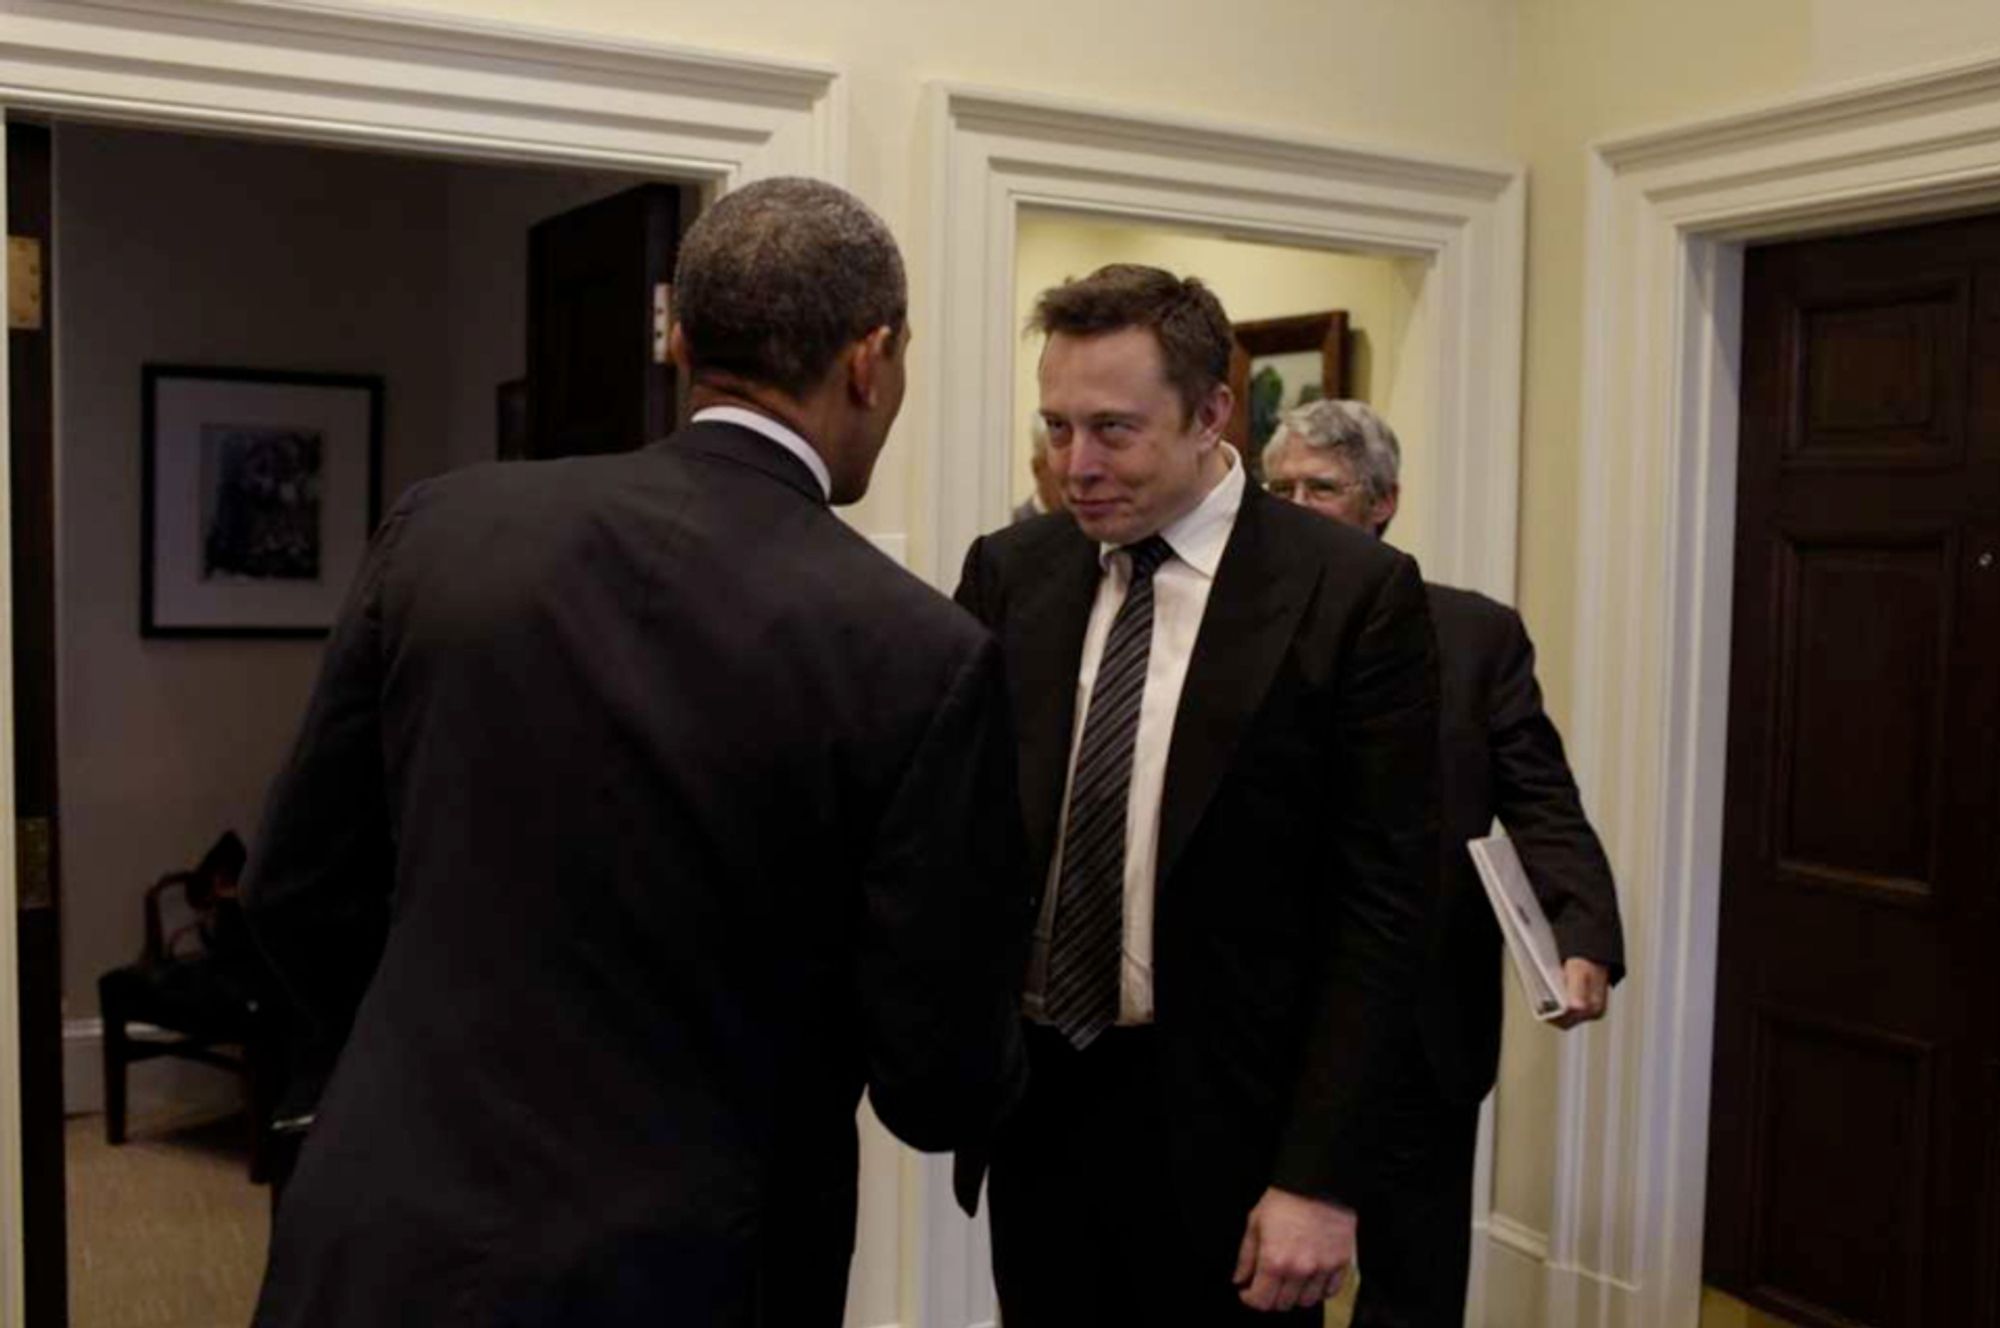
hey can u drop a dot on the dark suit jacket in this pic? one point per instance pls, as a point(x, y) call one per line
point(680, 809)
point(1502, 758)
point(1297, 831)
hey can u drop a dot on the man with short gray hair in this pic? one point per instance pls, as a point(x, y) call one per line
point(670, 814)
point(1501, 758)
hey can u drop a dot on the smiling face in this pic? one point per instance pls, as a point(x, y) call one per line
point(1130, 457)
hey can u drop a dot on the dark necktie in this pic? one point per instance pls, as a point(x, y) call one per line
point(1087, 942)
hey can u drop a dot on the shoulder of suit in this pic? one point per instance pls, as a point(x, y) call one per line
point(1469, 615)
point(1035, 537)
point(1467, 603)
point(1334, 542)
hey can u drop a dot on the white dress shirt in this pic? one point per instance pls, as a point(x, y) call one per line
point(1180, 597)
point(781, 434)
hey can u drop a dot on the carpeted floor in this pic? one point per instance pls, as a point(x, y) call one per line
point(166, 1231)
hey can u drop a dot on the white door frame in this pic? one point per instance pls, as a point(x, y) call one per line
point(994, 153)
point(1670, 214)
point(404, 82)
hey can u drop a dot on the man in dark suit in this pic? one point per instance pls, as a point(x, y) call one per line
point(1227, 721)
point(1502, 758)
point(684, 814)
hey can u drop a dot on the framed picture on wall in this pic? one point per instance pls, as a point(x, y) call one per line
point(261, 489)
point(1281, 363)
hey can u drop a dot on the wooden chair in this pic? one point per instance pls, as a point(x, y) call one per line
point(204, 983)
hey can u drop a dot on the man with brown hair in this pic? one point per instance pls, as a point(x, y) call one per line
point(1227, 717)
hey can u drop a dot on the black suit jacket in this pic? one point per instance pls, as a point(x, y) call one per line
point(1297, 836)
point(1502, 758)
point(675, 813)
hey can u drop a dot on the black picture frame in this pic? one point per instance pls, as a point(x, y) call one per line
point(341, 414)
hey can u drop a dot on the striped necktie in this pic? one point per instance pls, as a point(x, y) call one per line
point(1087, 943)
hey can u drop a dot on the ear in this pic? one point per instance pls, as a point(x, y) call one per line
point(1212, 416)
point(866, 359)
point(1383, 510)
point(677, 345)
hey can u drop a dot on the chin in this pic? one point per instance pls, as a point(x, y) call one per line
point(1111, 527)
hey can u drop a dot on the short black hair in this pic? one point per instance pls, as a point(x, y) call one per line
point(778, 277)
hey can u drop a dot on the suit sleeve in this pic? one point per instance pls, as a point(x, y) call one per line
point(1382, 837)
point(945, 935)
point(1536, 798)
point(316, 894)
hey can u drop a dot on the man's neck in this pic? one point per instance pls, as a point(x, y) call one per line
point(745, 396)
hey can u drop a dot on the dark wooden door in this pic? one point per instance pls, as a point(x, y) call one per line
point(1854, 1174)
point(598, 376)
point(31, 457)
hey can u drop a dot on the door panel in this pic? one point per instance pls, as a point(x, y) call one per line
point(1856, 987)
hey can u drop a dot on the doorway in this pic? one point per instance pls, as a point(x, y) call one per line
point(1852, 1160)
point(248, 266)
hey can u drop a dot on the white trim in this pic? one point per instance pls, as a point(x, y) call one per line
point(993, 153)
point(411, 82)
point(397, 81)
point(1669, 213)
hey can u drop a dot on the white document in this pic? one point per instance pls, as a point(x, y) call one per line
point(1531, 944)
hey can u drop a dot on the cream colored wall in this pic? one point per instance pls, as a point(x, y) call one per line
point(1437, 74)
point(1589, 70)
point(1253, 280)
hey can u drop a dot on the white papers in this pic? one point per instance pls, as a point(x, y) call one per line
point(1530, 942)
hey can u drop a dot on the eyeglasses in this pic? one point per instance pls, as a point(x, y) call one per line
point(1315, 488)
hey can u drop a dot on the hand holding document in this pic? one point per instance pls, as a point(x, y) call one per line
point(1531, 944)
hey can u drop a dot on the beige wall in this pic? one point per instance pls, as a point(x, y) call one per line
point(211, 251)
point(1253, 281)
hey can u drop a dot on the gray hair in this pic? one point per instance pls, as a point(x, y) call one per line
point(1351, 430)
point(778, 277)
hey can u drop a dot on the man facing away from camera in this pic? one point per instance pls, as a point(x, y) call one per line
point(676, 814)
point(1227, 717)
point(1501, 758)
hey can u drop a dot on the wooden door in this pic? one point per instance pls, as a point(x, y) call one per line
point(31, 458)
point(598, 376)
point(1854, 1173)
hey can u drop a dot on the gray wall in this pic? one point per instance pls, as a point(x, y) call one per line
point(214, 251)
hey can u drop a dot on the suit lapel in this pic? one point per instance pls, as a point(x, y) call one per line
point(1252, 615)
point(1043, 659)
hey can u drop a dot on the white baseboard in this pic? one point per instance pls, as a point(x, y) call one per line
point(166, 1086)
point(1517, 1286)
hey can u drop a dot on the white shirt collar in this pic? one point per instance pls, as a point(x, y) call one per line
point(779, 433)
point(1199, 537)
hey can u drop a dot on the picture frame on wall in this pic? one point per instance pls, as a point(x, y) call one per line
point(260, 492)
point(1278, 364)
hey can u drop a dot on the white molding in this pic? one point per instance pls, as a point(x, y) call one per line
point(368, 76)
point(993, 153)
point(1669, 213)
point(1519, 1237)
point(417, 83)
